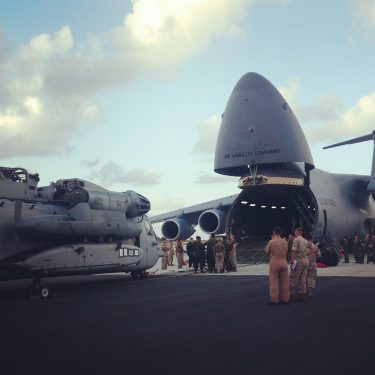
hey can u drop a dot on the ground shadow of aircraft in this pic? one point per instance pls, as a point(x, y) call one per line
point(261, 142)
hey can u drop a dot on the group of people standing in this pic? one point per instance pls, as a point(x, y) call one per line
point(285, 286)
point(215, 255)
point(169, 251)
point(360, 248)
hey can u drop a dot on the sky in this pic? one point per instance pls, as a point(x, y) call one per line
point(129, 94)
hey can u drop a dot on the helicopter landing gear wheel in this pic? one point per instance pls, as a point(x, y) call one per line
point(44, 292)
point(38, 290)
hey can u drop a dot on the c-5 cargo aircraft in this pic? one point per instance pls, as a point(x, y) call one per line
point(71, 227)
point(261, 142)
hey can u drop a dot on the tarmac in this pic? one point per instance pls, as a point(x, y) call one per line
point(182, 323)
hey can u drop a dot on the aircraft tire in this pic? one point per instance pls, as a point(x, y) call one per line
point(44, 292)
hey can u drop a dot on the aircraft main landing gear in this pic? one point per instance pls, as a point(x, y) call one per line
point(38, 290)
point(140, 274)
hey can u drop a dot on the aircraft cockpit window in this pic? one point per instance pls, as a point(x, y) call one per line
point(72, 184)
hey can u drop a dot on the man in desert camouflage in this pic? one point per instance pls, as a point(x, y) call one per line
point(219, 252)
point(165, 249)
point(171, 253)
point(180, 254)
point(299, 267)
point(313, 252)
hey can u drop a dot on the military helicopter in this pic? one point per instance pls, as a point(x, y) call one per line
point(71, 227)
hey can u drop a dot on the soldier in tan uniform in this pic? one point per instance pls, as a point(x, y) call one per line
point(277, 249)
point(180, 254)
point(233, 253)
point(165, 249)
point(312, 252)
point(299, 267)
point(219, 253)
point(171, 253)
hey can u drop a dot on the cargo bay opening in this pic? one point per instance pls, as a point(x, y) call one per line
point(258, 209)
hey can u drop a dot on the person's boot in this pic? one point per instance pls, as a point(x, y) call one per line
point(292, 298)
point(301, 297)
point(310, 292)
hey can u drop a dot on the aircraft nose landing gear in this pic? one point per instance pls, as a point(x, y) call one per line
point(38, 290)
point(140, 274)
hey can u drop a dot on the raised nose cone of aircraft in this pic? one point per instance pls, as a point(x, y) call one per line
point(258, 128)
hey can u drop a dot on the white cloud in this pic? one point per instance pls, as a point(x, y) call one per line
point(324, 108)
point(113, 174)
point(44, 46)
point(207, 178)
point(290, 92)
point(327, 120)
point(48, 85)
point(364, 11)
point(90, 163)
point(353, 122)
point(164, 203)
point(156, 36)
point(207, 135)
point(166, 32)
point(32, 121)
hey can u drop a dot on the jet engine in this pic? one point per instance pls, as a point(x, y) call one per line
point(131, 202)
point(212, 221)
point(136, 204)
point(177, 229)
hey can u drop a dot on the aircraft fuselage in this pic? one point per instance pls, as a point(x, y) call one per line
point(332, 203)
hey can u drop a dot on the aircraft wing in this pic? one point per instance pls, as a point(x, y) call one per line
point(192, 213)
point(179, 224)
